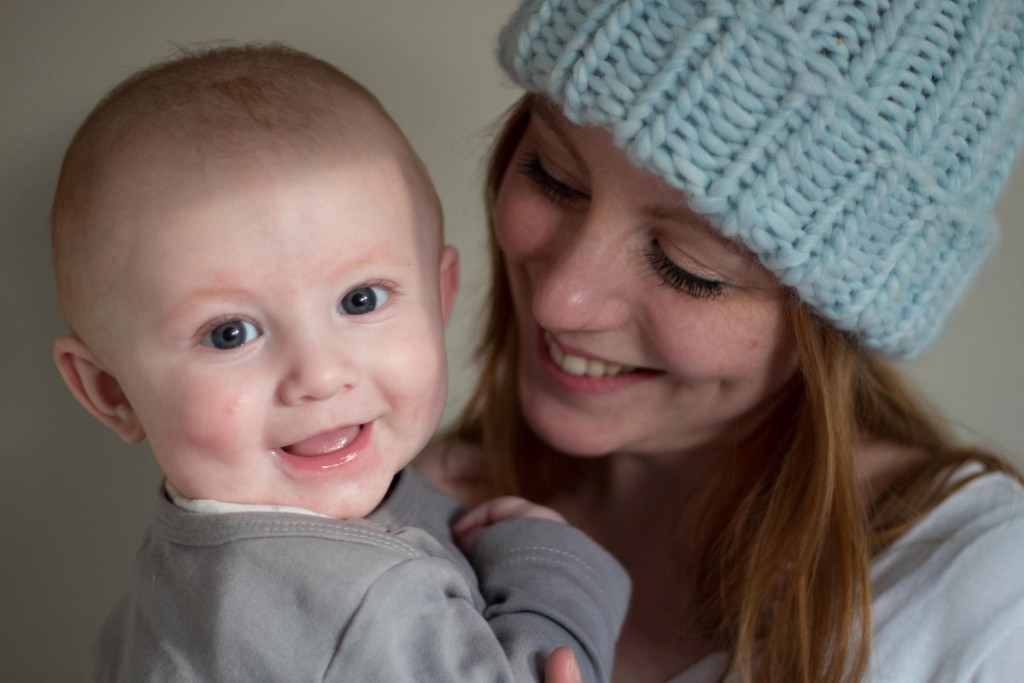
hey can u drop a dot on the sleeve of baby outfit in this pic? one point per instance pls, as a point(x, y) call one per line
point(546, 585)
point(418, 620)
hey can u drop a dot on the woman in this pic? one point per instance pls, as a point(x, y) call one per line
point(713, 224)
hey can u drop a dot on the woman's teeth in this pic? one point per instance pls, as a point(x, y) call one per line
point(578, 365)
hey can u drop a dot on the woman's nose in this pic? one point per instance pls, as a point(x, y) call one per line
point(580, 285)
point(317, 369)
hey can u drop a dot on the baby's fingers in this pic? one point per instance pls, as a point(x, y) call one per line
point(469, 527)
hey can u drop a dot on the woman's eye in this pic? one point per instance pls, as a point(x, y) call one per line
point(231, 335)
point(678, 278)
point(363, 300)
point(534, 170)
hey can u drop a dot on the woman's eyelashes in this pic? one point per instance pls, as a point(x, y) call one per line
point(534, 170)
point(671, 274)
point(677, 278)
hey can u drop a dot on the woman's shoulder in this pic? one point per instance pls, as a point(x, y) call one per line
point(985, 502)
point(458, 468)
point(949, 594)
point(973, 523)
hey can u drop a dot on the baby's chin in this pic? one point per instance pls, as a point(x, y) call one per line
point(349, 507)
point(354, 506)
point(357, 505)
point(348, 510)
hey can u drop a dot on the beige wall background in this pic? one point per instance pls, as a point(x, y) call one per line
point(73, 499)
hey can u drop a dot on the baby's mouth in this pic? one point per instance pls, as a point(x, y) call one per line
point(324, 443)
point(580, 366)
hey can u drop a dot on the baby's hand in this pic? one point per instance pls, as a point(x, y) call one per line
point(473, 523)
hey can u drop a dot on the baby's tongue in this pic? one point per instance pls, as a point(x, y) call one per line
point(324, 443)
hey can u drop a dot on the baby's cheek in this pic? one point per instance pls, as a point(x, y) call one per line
point(232, 406)
point(417, 377)
point(215, 423)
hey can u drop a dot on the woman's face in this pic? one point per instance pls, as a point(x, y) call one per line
point(641, 329)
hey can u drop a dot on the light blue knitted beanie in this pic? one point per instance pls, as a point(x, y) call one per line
point(856, 146)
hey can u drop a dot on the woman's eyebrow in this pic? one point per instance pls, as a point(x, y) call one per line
point(682, 213)
point(551, 120)
point(677, 210)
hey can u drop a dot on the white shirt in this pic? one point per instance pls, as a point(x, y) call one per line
point(948, 597)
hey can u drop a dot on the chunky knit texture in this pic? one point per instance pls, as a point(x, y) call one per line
point(856, 146)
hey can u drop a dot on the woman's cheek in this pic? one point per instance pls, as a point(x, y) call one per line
point(522, 220)
point(716, 338)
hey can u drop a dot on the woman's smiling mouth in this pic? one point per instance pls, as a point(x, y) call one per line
point(581, 366)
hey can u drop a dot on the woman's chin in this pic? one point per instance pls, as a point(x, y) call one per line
point(572, 434)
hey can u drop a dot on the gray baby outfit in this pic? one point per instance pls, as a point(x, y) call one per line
point(270, 596)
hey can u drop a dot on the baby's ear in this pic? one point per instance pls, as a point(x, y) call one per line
point(97, 390)
point(449, 280)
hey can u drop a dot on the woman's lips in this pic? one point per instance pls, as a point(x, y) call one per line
point(587, 376)
point(583, 366)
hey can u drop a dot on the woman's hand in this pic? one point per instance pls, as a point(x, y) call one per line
point(561, 667)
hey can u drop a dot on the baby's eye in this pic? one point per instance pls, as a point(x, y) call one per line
point(231, 334)
point(363, 300)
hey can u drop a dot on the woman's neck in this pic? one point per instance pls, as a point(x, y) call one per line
point(641, 509)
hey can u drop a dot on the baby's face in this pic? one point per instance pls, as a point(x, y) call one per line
point(278, 330)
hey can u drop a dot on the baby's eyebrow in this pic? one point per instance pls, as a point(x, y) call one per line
point(200, 295)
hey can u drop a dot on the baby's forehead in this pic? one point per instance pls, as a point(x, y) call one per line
point(166, 196)
point(163, 176)
point(157, 157)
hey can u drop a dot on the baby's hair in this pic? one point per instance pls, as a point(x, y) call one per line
point(223, 101)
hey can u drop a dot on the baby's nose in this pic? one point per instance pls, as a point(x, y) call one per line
point(317, 370)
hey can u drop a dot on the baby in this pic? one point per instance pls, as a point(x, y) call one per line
point(250, 258)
